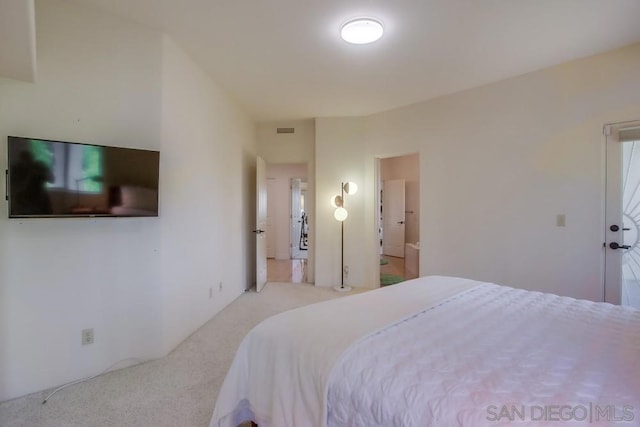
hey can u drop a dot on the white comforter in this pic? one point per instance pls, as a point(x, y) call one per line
point(280, 374)
point(436, 351)
point(493, 356)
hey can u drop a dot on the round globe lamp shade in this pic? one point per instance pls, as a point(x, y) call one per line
point(350, 188)
point(340, 214)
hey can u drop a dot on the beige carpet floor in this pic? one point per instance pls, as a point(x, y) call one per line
point(178, 390)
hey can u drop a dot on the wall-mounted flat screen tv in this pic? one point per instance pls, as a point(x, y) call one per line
point(66, 179)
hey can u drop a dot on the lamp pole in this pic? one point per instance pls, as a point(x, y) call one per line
point(341, 215)
point(342, 240)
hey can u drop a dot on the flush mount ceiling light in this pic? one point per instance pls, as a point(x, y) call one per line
point(361, 30)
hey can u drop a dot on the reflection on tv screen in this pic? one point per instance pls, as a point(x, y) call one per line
point(53, 178)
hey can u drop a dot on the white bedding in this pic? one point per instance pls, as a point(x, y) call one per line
point(279, 376)
point(494, 347)
point(437, 351)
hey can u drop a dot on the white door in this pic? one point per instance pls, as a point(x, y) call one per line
point(393, 217)
point(261, 224)
point(622, 214)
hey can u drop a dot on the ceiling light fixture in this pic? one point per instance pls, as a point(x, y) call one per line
point(361, 30)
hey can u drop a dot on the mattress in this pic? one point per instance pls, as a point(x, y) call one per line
point(437, 351)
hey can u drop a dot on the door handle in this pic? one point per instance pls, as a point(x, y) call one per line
point(258, 231)
point(614, 228)
point(400, 222)
point(615, 245)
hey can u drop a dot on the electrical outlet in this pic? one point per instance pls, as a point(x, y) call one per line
point(87, 336)
point(210, 292)
point(220, 287)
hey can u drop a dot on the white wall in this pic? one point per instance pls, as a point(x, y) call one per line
point(104, 80)
point(204, 220)
point(340, 157)
point(297, 147)
point(498, 163)
point(18, 40)
point(59, 276)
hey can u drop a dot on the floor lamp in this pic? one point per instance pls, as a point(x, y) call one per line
point(341, 215)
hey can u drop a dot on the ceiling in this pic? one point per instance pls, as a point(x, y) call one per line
point(283, 59)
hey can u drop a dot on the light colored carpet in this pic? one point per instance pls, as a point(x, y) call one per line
point(178, 390)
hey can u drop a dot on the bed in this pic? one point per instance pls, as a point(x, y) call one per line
point(130, 200)
point(438, 351)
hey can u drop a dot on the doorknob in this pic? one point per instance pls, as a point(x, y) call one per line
point(615, 245)
point(258, 231)
point(400, 222)
point(615, 227)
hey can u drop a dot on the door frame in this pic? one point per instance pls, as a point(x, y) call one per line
point(309, 209)
point(377, 186)
point(613, 212)
point(295, 230)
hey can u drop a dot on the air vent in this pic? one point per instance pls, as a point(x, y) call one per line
point(285, 130)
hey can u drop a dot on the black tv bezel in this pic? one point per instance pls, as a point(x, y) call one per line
point(72, 215)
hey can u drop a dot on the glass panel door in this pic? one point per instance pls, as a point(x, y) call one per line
point(622, 212)
point(630, 294)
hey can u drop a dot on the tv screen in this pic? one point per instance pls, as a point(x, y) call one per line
point(66, 179)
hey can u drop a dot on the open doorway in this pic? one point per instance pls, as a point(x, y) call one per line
point(287, 222)
point(398, 214)
point(299, 220)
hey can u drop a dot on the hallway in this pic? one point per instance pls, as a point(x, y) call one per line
point(291, 271)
